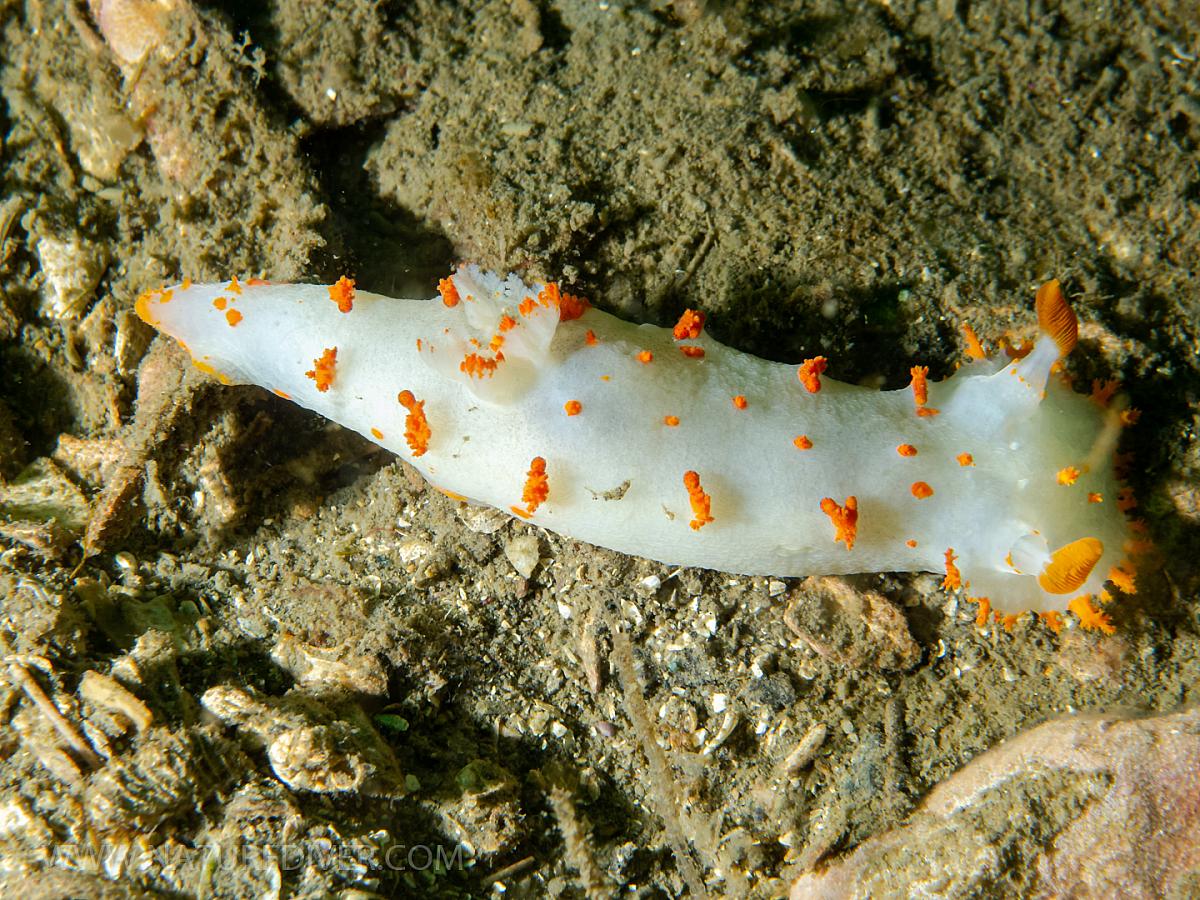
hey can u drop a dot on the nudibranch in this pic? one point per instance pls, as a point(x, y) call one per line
point(663, 443)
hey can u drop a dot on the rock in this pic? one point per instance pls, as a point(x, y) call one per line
point(1091, 806)
point(851, 627)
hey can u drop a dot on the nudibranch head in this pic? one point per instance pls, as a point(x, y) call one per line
point(1052, 544)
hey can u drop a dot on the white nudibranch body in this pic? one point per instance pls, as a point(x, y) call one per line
point(668, 445)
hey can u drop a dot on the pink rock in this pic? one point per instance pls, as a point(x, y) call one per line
point(1090, 806)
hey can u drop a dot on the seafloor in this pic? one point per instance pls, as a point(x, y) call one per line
point(248, 653)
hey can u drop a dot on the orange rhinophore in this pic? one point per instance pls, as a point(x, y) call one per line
point(803, 443)
point(341, 292)
point(1055, 317)
point(965, 459)
point(416, 426)
point(1070, 565)
point(232, 316)
point(692, 352)
point(953, 577)
point(537, 486)
point(449, 292)
point(921, 490)
point(689, 326)
point(906, 450)
point(810, 371)
point(1067, 475)
point(739, 402)
point(323, 368)
point(573, 407)
point(701, 502)
point(1089, 617)
point(844, 519)
point(974, 348)
point(645, 356)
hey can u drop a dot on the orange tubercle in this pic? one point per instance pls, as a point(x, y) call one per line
point(644, 357)
point(802, 442)
point(1067, 475)
point(323, 369)
point(537, 485)
point(921, 490)
point(985, 608)
point(844, 519)
point(377, 434)
point(920, 384)
point(1095, 498)
point(477, 366)
point(341, 292)
point(810, 371)
point(573, 407)
point(221, 302)
point(416, 425)
point(1102, 391)
point(1123, 577)
point(671, 421)
point(692, 352)
point(449, 292)
point(572, 307)
point(701, 502)
point(739, 402)
point(911, 543)
point(974, 348)
point(232, 316)
point(965, 459)
point(507, 322)
point(1053, 620)
point(1090, 618)
point(689, 326)
point(953, 577)
point(590, 338)
point(906, 450)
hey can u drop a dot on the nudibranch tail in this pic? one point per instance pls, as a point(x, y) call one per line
point(524, 397)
